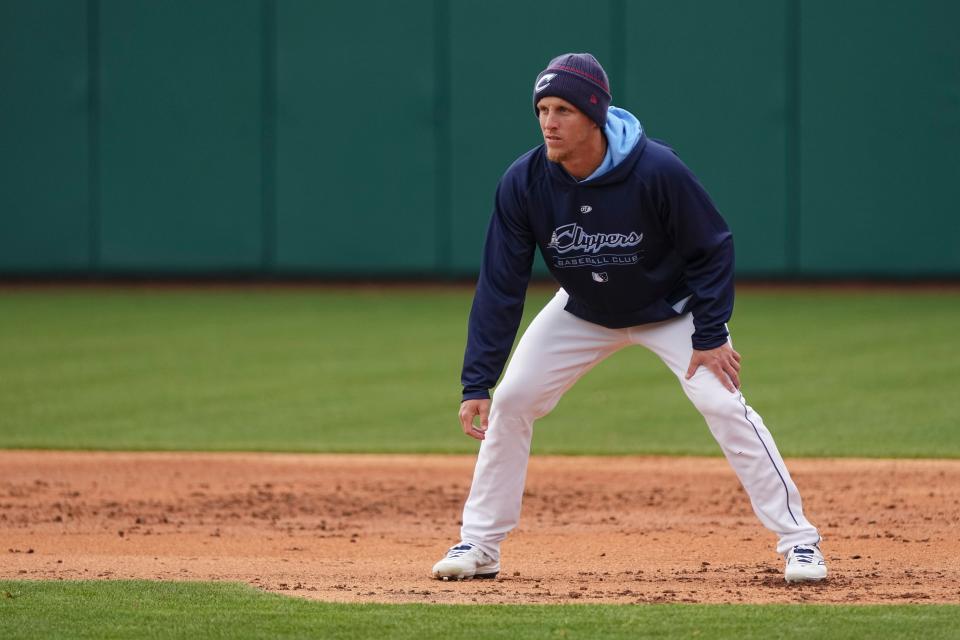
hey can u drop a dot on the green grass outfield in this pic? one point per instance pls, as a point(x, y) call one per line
point(834, 373)
point(195, 610)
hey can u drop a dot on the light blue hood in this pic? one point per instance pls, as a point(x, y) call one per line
point(623, 131)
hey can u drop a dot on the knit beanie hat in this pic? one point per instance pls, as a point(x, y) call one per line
point(580, 80)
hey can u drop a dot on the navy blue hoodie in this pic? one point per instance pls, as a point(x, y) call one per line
point(641, 242)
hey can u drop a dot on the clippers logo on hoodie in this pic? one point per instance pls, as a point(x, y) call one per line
point(575, 247)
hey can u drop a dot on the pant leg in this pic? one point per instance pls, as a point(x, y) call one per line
point(554, 352)
point(740, 432)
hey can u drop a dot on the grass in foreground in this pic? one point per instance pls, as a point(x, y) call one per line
point(215, 610)
point(840, 373)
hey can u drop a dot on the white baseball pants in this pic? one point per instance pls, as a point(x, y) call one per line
point(556, 350)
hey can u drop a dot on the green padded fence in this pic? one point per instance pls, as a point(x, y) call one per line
point(294, 137)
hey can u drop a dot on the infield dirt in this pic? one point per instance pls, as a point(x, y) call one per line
point(368, 528)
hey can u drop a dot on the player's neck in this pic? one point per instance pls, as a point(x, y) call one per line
point(583, 164)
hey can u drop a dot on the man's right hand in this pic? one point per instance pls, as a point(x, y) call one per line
point(470, 409)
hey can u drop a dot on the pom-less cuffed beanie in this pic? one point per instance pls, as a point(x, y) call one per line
point(580, 80)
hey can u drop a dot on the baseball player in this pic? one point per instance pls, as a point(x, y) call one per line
point(642, 257)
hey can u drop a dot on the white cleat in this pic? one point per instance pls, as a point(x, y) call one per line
point(464, 561)
point(805, 563)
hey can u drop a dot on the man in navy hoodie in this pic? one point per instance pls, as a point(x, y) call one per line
point(642, 257)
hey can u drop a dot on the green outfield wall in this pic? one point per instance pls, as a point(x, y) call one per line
point(335, 138)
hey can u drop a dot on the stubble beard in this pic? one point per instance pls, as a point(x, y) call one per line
point(557, 156)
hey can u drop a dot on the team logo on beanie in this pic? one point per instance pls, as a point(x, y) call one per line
point(544, 82)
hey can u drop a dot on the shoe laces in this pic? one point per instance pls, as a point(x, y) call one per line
point(459, 550)
point(803, 555)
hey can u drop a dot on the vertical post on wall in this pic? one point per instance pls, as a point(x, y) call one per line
point(93, 135)
point(443, 209)
point(268, 136)
point(793, 152)
point(618, 50)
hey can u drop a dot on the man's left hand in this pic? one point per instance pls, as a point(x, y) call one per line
point(723, 361)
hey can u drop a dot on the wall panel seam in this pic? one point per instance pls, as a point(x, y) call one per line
point(443, 175)
point(268, 135)
point(94, 247)
point(793, 151)
point(618, 47)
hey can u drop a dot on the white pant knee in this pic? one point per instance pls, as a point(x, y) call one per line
point(714, 401)
point(520, 401)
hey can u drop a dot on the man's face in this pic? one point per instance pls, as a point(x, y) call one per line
point(566, 130)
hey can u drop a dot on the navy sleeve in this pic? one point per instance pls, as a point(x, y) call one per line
point(705, 244)
point(501, 289)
